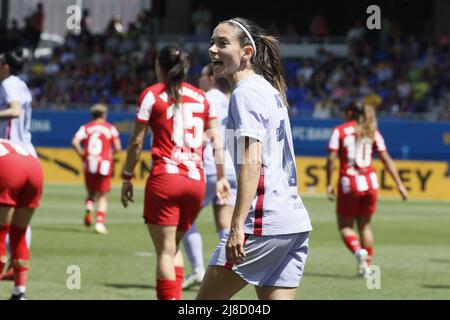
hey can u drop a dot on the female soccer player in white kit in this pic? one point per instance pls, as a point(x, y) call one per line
point(268, 241)
point(218, 95)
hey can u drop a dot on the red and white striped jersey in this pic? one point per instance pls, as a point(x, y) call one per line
point(357, 173)
point(98, 137)
point(177, 129)
point(7, 147)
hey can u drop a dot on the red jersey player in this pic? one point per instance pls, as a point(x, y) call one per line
point(178, 115)
point(100, 140)
point(21, 180)
point(355, 142)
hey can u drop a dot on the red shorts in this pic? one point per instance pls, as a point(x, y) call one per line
point(173, 200)
point(352, 205)
point(95, 182)
point(21, 181)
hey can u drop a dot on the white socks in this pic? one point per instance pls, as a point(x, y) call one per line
point(193, 246)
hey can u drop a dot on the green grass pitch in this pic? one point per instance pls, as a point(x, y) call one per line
point(412, 249)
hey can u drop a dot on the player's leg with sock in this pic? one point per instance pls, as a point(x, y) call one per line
point(366, 233)
point(20, 253)
point(193, 246)
point(164, 240)
point(89, 208)
point(100, 216)
point(5, 220)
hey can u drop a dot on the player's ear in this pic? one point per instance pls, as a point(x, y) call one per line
point(248, 53)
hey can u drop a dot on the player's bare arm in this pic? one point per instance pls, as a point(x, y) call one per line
point(117, 146)
point(392, 169)
point(133, 155)
point(222, 185)
point(247, 184)
point(78, 148)
point(332, 156)
point(12, 111)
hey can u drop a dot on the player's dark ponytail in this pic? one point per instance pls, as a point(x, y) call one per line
point(174, 63)
point(267, 60)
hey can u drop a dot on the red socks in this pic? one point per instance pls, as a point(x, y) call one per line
point(369, 256)
point(19, 251)
point(100, 217)
point(4, 228)
point(170, 289)
point(179, 271)
point(352, 243)
point(166, 289)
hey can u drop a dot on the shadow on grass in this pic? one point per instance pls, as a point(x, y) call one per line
point(65, 229)
point(328, 275)
point(436, 286)
point(440, 260)
point(129, 286)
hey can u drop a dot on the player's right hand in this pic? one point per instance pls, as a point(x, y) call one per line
point(126, 193)
point(223, 190)
point(235, 246)
point(330, 193)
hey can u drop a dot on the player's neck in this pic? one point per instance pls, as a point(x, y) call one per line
point(240, 75)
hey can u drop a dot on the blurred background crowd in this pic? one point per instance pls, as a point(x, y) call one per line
point(408, 72)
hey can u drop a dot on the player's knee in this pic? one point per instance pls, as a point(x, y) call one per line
point(3, 259)
point(20, 263)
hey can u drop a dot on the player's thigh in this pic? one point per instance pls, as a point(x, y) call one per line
point(6, 214)
point(164, 238)
point(220, 283)
point(22, 217)
point(275, 293)
point(363, 222)
point(345, 221)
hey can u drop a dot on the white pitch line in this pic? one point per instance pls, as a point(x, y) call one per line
point(143, 254)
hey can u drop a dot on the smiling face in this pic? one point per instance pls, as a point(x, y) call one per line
point(225, 51)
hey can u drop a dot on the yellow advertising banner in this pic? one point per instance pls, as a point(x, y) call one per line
point(423, 179)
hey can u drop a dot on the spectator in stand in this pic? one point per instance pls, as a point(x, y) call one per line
point(319, 26)
point(37, 25)
point(201, 20)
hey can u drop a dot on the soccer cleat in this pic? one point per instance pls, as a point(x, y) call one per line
point(362, 265)
point(101, 229)
point(88, 219)
point(194, 279)
point(20, 296)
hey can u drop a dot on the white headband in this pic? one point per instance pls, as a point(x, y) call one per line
point(247, 33)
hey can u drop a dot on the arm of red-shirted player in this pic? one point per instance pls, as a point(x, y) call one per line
point(12, 111)
point(248, 179)
point(117, 145)
point(76, 144)
point(222, 185)
point(134, 150)
point(392, 169)
point(332, 156)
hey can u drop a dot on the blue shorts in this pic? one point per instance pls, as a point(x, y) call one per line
point(210, 195)
point(276, 261)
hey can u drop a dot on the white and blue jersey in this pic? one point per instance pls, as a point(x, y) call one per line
point(257, 111)
point(17, 130)
point(219, 102)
